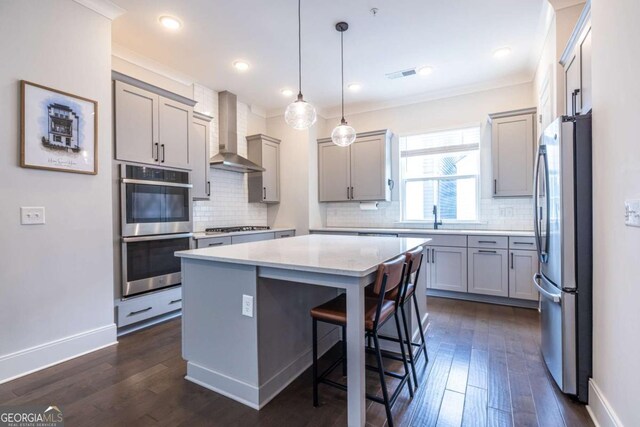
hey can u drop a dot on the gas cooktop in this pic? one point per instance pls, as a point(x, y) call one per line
point(218, 230)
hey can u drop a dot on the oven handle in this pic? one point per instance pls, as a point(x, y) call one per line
point(162, 237)
point(161, 183)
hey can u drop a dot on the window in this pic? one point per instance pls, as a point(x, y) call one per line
point(440, 169)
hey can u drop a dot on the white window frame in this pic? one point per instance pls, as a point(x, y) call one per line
point(439, 150)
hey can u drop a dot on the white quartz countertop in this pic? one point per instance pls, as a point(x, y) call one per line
point(425, 231)
point(356, 256)
point(203, 235)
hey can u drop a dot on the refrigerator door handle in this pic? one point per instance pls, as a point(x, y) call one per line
point(553, 297)
point(543, 254)
point(536, 211)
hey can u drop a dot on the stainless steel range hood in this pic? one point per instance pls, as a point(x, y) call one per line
point(228, 157)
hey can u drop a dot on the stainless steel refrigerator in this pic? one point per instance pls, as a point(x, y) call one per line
point(563, 225)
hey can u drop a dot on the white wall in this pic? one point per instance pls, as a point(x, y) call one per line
point(446, 113)
point(616, 168)
point(56, 280)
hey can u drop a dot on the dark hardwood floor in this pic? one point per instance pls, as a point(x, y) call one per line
point(485, 369)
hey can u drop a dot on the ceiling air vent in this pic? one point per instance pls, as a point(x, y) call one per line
point(400, 74)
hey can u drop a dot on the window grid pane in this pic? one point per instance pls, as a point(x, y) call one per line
point(448, 180)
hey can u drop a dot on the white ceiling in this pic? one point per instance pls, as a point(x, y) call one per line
point(455, 37)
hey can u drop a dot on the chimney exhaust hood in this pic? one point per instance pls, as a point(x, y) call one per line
point(228, 157)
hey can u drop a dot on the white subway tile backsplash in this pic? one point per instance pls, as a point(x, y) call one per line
point(229, 204)
point(494, 214)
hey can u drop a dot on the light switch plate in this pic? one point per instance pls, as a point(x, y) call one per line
point(247, 305)
point(31, 215)
point(632, 213)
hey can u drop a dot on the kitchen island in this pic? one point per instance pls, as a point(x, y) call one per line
point(276, 282)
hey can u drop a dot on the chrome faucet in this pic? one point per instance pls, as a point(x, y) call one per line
point(436, 223)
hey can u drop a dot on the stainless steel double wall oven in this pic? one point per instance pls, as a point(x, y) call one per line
point(156, 221)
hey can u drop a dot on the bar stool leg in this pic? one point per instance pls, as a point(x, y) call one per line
point(409, 346)
point(424, 343)
point(383, 384)
point(344, 351)
point(404, 355)
point(315, 363)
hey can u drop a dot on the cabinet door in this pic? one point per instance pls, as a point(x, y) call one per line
point(136, 124)
point(512, 155)
point(449, 269)
point(333, 173)
point(369, 169)
point(175, 130)
point(586, 89)
point(200, 162)
point(522, 266)
point(488, 272)
point(271, 176)
point(572, 85)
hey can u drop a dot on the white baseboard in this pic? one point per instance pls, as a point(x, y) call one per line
point(257, 397)
point(27, 361)
point(599, 408)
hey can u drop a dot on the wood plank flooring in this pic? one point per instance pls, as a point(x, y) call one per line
point(485, 370)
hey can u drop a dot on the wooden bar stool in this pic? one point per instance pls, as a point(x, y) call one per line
point(408, 290)
point(379, 308)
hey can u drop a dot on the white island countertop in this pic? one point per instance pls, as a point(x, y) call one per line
point(342, 255)
point(426, 231)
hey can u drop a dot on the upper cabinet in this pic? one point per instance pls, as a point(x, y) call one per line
point(199, 150)
point(264, 187)
point(152, 126)
point(576, 61)
point(512, 147)
point(360, 172)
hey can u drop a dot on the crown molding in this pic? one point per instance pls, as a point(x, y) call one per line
point(105, 8)
point(149, 64)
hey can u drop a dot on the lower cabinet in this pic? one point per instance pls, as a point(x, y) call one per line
point(522, 266)
point(447, 268)
point(488, 273)
point(246, 238)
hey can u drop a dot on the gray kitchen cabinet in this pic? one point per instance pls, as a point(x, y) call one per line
point(334, 180)
point(488, 272)
point(448, 269)
point(512, 147)
point(152, 125)
point(523, 265)
point(136, 124)
point(576, 60)
point(199, 149)
point(359, 173)
point(264, 187)
point(176, 121)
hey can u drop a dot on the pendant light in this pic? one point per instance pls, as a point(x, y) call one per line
point(343, 135)
point(300, 114)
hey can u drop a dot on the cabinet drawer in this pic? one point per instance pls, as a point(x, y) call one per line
point(145, 307)
point(283, 234)
point(441, 239)
point(522, 243)
point(493, 242)
point(246, 238)
point(214, 241)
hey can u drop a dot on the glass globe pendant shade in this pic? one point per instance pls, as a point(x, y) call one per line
point(343, 135)
point(300, 114)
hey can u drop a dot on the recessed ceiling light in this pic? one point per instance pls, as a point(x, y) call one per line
point(170, 22)
point(425, 71)
point(502, 52)
point(241, 65)
point(286, 92)
point(354, 87)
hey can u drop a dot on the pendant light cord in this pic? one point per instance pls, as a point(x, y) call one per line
point(342, 71)
point(299, 52)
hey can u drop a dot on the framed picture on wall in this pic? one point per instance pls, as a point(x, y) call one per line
point(59, 131)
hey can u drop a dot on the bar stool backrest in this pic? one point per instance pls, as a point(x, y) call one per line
point(414, 260)
point(390, 275)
